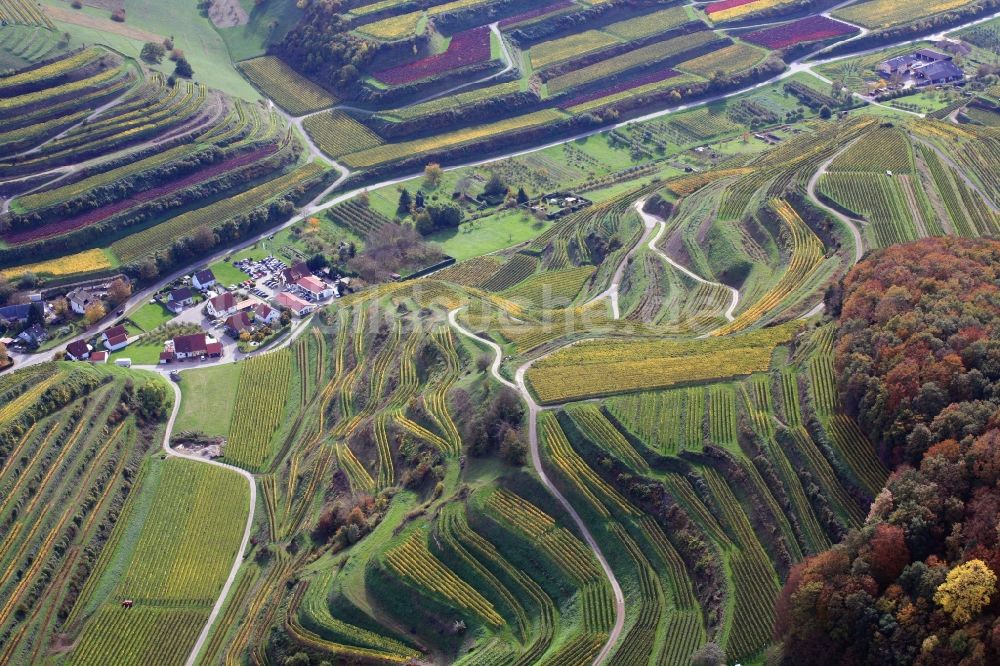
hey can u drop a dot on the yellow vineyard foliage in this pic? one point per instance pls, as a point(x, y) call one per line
point(605, 367)
point(83, 262)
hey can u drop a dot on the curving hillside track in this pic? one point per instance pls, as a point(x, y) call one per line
point(320, 203)
point(653, 221)
point(851, 224)
point(612, 292)
point(536, 461)
point(224, 593)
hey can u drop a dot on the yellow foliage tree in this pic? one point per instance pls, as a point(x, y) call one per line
point(94, 313)
point(966, 590)
point(432, 175)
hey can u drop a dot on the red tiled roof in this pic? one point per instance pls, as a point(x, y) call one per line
point(312, 284)
point(117, 340)
point(214, 348)
point(77, 349)
point(296, 272)
point(239, 322)
point(190, 344)
point(291, 301)
point(223, 302)
point(115, 331)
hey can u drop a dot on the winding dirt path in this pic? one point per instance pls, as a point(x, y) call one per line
point(224, 593)
point(536, 461)
point(616, 280)
point(653, 221)
point(318, 204)
point(859, 245)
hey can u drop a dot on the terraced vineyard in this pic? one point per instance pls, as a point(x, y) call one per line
point(279, 82)
point(260, 403)
point(338, 134)
point(186, 547)
point(607, 435)
point(881, 13)
point(595, 369)
point(70, 440)
point(148, 147)
point(430, 81)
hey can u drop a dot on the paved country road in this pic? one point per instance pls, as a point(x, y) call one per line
point(320, 202)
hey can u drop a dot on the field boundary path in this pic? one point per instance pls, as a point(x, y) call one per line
point(536, 462)
point(612, 291)
point(317, 204)
point(654, 220)
point(238, 562)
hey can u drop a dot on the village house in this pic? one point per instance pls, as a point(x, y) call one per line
point(194, 345)
point(314, 288)
point(14, 314)
point(178, 299)
point(247, 304)
point(265, 314)
point(78, 351)
point(115, 338)
point(99, 357)
point(238, 323)
point(295, 273)
point(204, 279)
point(222, 305)
point(81, 299)
point(34, 335)
point(299, 307)
point(922, 67)
point(937, 73)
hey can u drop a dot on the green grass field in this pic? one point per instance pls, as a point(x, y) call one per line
point(208, 398)
point(268, 22)
point(151, 315)
point(204, 48)
point(489, 234)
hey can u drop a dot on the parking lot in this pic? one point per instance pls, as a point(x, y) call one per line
point(263, 277)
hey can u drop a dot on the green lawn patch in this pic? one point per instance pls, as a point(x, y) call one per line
point(208, 396)
point(150, 316)
point(489, 234)
point(141, 354)
point(193, 33)
point(269, 22)
point(227, 274)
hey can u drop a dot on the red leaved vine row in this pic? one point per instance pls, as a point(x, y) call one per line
point(811, 29)
point(535, 13)
point(467, 48)
point(653, 77)
point(713, 7)
point(105, 212)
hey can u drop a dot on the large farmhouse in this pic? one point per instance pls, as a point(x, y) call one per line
point(922, 67)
